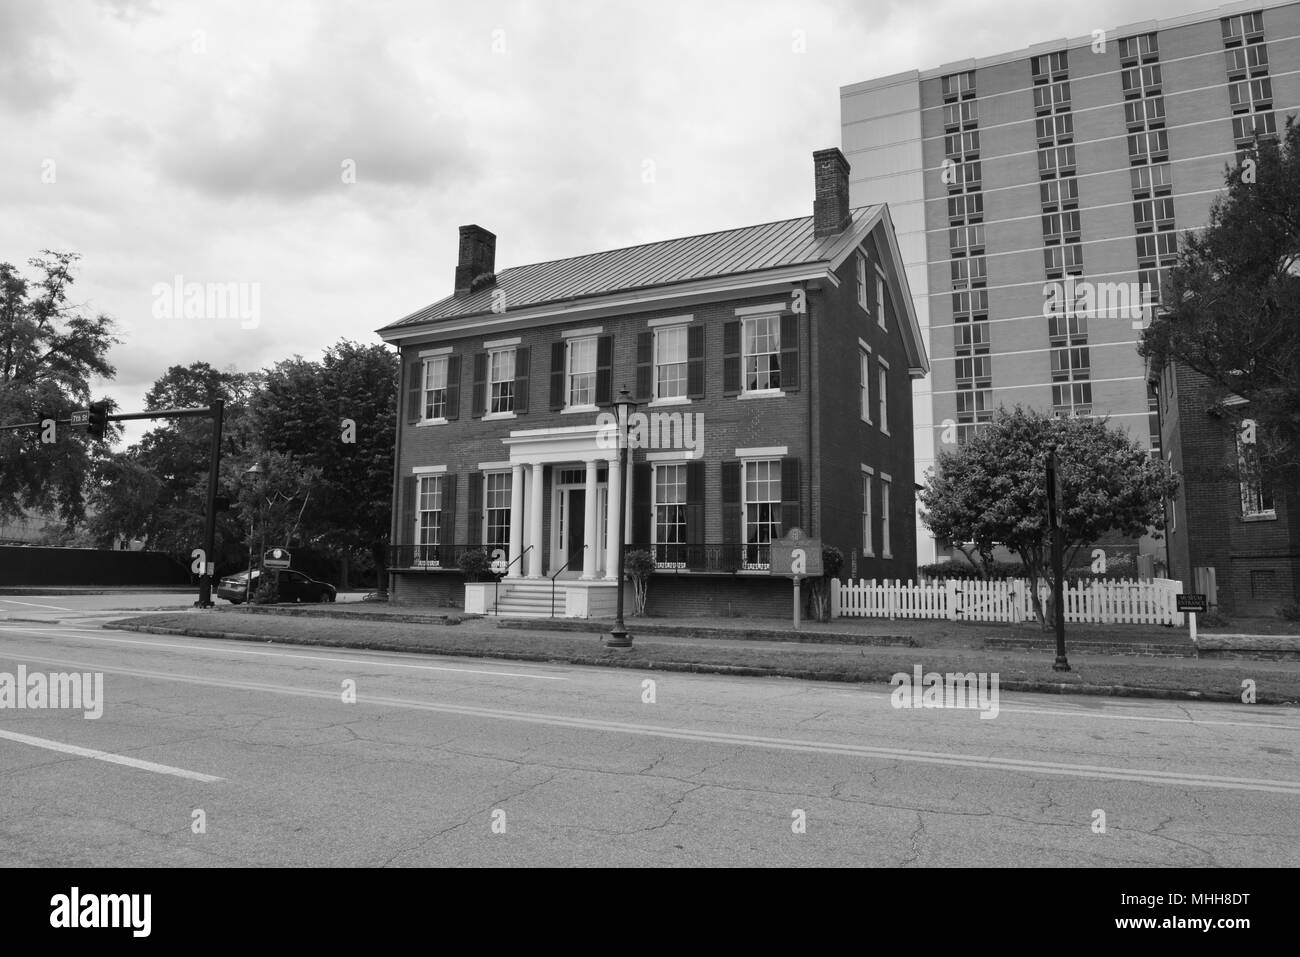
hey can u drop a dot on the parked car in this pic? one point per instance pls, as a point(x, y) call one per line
point(294, 587)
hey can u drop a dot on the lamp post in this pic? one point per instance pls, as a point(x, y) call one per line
point(254, 470)
point(1055, 521)
point(618, 636)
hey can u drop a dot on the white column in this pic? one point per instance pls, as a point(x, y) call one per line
point(516, 520)
point(590, 528)
point(535, 558)
point(614, 541)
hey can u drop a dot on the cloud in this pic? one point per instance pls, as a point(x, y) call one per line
point(32, 75)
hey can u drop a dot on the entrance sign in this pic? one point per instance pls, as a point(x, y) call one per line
point(276, 558)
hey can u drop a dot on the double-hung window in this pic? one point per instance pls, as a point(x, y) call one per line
point(435, 388)
point(882, 375)
point(501, 375)
point(428, 520)
point(864, 384)
point(581, 371)
point(762, 485)
point(496, 530)
point(868, 536)
point(880, 294)
point(885, 485)
point(762, 353)
point(862, 282)
point(670, 516)
point(670, 362)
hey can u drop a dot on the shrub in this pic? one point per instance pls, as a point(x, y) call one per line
point(477, 565)
point(639, 565)
point(819, 589)
point(1290, 611)
point(1213, 619)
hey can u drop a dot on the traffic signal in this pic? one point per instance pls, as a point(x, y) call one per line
point(98, 421)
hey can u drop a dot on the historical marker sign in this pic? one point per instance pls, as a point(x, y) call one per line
point(796, 556)
point(276, 558)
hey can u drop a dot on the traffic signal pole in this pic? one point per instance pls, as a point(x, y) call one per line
point(98, 418)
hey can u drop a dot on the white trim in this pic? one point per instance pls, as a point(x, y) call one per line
point(763, 310)
point(881, 359)
point(690, 455)
point(863, 344)
point(493, 416)
point(434, 353)
point(428, 469)
point(502, 343)
point(835, 280)
point(885, 478)
point(571, 409)
point(496, 466)
point(423, 422)
point(669, 321)
point(675, 400)
point(869, 470)
point(582, 333)
point(761, 394)
point(764, 452)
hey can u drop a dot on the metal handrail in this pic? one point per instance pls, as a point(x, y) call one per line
point(557, 572)
point(496, 589)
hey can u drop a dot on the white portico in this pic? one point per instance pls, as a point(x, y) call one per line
point(586, 492)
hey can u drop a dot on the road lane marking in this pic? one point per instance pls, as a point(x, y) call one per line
point(907, 755)
point(200, 648)
point(108, 756)
point(33, 604)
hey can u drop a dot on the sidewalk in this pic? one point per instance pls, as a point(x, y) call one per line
point(735, 651)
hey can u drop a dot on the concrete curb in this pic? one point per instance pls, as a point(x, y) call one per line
point(1040, 687)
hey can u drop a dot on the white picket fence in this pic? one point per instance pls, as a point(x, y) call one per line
point(1111, 602)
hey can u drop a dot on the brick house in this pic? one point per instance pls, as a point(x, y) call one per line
point(773, 368)
point(1230, 535)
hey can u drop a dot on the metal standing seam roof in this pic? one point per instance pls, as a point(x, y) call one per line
point(749, 249)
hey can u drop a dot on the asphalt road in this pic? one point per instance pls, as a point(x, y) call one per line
point(462, 762)
point(86, 607)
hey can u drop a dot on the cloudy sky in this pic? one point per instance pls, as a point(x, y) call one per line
point(327, 151)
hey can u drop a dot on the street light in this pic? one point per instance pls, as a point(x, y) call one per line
point(618, 636)
point(254, 470)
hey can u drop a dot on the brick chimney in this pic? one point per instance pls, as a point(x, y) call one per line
point(831, 202)
point(478, 257)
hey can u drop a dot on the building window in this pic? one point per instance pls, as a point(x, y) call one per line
point(1247, 26)
point(868, 539)
point(1052, 97)
point(670, 362)
point(885, 485)
point(864, 385)
point(1062, 193)
point(1251, 95)
point(882, 384)
point(501, 372)
point(582, 371)
point(762, 510)
point(496, 531)
point(1072, 398)
point(1148, 111)
point(959, 85)
point(428, 531)
point(862, 281)
point(880, 286)
point(1144, 46)
point(1156, 179)
point(762, 353)
point(1256, 496)
point(435, 388)
point(1050, 66)
point(1246, 128)
point(670, 516)
point(967, 206)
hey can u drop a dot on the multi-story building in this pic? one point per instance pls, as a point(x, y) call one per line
point(1039, 195)
point(773, 367)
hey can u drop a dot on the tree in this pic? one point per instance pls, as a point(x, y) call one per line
point(49, 353)
point(1233, 300)
point(993, 490)
point(339, 416)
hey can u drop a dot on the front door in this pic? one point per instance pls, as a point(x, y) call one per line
point(576, 527)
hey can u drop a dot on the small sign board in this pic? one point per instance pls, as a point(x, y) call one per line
point(81, 417)
point(276, 558)
point(1196, 603)
point(796, 556)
